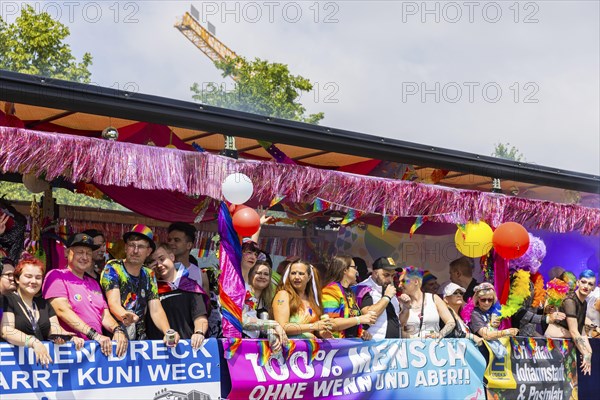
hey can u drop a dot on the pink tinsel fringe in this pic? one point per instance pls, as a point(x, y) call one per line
point(193, 173)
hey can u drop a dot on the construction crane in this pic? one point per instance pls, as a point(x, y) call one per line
point(215, 50)
point(203, 39)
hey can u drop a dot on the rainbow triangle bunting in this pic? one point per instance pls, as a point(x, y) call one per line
point(276, 200)
point(420, 220)
point(351, 216)
point(386, 221)
point(320, 205)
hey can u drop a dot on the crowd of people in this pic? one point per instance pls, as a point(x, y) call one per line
point(159, 292)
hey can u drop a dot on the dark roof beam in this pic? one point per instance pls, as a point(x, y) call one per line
point(96, 100)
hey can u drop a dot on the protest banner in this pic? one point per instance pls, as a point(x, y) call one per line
point(355, 369)
point(148, 370)
point(540, 369)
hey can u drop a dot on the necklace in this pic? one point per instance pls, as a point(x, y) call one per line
point(31, 312)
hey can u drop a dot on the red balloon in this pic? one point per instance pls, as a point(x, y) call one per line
point(510, 240)
point(246, 221)
point(233, 208)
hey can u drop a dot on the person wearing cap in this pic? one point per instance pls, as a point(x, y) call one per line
point(7, 276)
point(377, 295)
point(453, 296)
point(430, 283)
point(77, 298)
point(131, 288)
point(181, 238)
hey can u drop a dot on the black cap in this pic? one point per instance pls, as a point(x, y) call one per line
point(82, 239)
point(386, 263)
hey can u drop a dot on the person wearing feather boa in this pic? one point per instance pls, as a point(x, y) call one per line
point(485, 318)
point(575, 308)
point(185, 303)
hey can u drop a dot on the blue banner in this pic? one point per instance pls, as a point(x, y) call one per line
point(148, 370)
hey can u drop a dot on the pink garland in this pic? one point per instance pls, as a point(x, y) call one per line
point(193, 173)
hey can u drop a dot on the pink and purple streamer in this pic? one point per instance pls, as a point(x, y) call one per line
point(193, 173)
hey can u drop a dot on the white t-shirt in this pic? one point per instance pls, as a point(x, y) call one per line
point(592, 313)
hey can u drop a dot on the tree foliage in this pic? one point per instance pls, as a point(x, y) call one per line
point(33, 45)
point(508, 152)
point(17, 192)
point(261, 87)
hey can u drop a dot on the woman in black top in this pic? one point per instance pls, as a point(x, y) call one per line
point(28, 320)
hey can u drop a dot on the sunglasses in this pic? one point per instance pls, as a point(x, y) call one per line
point(486, 300)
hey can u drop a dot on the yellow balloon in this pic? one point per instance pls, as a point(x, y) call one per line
point(476, 240)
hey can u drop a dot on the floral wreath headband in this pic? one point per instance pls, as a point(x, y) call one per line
point(312, 276)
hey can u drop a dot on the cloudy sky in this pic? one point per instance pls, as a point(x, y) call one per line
point(459, 75)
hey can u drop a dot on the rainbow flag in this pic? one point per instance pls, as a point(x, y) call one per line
point(351, 216)
point(313, 348)
point(290, 348)
point(201, 208)
point(386, 221)
point(232, 289)
point(230, 346)
point(276, 200)
point(564, 347)
point(264, 352)
point(532, 345)
point(320, 205)
point(418, 222)
point(550, 344)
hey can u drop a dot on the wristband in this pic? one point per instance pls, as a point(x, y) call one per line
point(27, 339)
point(357, 321)
point(387, 297)
point(91, 334)
point(199, 333)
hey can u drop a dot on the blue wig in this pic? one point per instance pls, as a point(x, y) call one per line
point(588, 274)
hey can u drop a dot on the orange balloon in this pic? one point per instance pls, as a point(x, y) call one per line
point(511, 240)
point(246, 221)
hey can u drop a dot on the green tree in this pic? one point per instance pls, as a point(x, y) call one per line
point(261, 87)
point(508, 152)
point(33, 45)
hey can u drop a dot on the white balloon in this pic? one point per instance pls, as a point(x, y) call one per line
point(237, 188)
point(35, 184)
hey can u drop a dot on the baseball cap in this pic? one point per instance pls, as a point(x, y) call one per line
point(386, 263)
point(428, 276)
point(82, 239)
point(451, 288)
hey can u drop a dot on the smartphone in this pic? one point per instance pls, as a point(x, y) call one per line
point(55, 336)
